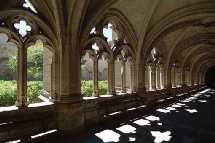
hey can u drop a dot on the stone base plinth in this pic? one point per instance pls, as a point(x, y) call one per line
point(70, 118)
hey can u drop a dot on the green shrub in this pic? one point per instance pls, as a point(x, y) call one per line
point(103, 86)
point(33, 91)
point(87, 88)
point(8, 92)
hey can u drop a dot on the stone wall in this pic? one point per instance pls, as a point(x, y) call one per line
point(88, 69)
point(7, 49)
point(47, 64)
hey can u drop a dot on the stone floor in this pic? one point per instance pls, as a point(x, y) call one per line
point(191, 120)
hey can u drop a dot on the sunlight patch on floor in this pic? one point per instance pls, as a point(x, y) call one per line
point(142, 122)
point(127, 129)
point(170, 108)
point(160, 137)
point(207, 95)
point(176, 106)
point(202, 101)
point(108, 136)
point(180, 104)
point(152, 118)
point(191, 110)
point(132, 139)
point(163, 110)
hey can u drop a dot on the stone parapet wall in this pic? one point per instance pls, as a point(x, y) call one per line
point(20, 123)
point(72, 118)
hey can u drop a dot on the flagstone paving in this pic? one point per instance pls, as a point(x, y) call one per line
point(191, 120)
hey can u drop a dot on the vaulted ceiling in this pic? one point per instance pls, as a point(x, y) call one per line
point(182, 26)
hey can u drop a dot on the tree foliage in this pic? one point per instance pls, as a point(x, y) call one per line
point(34, 61)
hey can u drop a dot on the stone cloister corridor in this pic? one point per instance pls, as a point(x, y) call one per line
point(187, 120)
point(107, 71)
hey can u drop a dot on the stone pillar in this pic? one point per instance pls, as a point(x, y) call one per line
point(147, 78)
point(184, 78)
point(150, 78)
point(70, 107)
point(161, 78)
point(176, 77)
point(55, 82)
point(154, 78)
point(200, 79)
point(95, 78)
point(123, 78)
point(188, 78)
point(111, 78)
point(168, 77)
point(196, 82)
point(132, 78)
point(173, 78)
point(192, 78)
point(203, 78)
point(158, 83)
point(22, 78)
point(197, 79)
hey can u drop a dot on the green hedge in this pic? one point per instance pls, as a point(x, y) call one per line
point(34, 89)
point(87, 88)
point(8, 92)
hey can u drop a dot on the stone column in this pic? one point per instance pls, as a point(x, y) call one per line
point(176, 77)
point(150, 78)
point(154, 78)
point(173, 78)
point(196, 82)
point(188, 78)
point(123, 77)
point(131, 74)
point(70, 107)
point(22, 78)
point(158, 84)
point(183, 81)
point(111, 78)
point(200, 79)
point(147, 78)
point(197, 79)
point(161, 77)
point(179, 77)
point(168, 77)
point(95, 78)
point(55, 82)
point(192, 79)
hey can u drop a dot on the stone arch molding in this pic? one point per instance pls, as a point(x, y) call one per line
point(120, 24)
point(8, 17)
